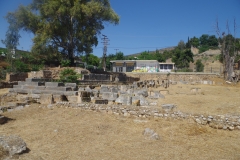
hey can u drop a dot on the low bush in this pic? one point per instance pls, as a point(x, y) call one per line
point(69, 75)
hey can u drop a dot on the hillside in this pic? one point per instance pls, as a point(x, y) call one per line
point(151, 52)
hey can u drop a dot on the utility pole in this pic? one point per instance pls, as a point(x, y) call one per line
point(116, 50)
point(105, 43)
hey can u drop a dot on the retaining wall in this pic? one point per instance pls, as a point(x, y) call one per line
point(175, 76)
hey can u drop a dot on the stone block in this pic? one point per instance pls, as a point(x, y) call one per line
point(123, 88)
point(141, 98)
point(101, 101)
point(46, 99)
point(124, 100)
point(58, 98)
point(28, 87)
point(143, 92)
point(74, 99)
point(59, 88)
point(54, 84)
point(36, 80)
point(156, 95)
point(114, 90)
point(22, 97)
point(70, 93)
point(36, 91)
point(18, 86)
point(136, 102)
point(70, 85)
point(164, 92)
point(104, 89)
point(109, 96)
point(18, 90)
point(168, 107)
point(84, 94)
point(195, 90)
point(31, 83)
point(34, 96)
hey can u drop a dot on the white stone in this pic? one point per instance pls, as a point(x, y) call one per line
point(231, 128)
point(198, 121)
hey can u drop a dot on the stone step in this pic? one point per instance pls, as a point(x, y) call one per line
point(31, 83)
point(54, 84)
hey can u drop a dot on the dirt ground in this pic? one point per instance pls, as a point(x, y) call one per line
point(63, 133)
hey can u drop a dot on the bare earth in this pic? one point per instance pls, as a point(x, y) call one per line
point(64, 133)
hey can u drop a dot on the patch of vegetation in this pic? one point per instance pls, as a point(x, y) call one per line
point(199, 66)
point(65, 63)
point(69, 75)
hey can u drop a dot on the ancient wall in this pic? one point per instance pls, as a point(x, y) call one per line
point(16, 77)
point(184, 76)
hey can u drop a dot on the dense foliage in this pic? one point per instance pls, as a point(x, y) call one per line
point(69, 75)
point(199, 66)
point(67, 26)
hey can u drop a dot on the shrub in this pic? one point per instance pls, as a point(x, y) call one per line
point(69, 75)
point(36, 67)
point(21, 66)
point(4, 65)
point(199, 66)
point(65, 63)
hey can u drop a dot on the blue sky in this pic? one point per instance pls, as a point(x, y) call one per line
point(149, 25)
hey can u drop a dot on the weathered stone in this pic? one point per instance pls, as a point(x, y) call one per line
point(141, 98)
point(156, 95)
point(21, 97)
point(104, 89)
point(73, 85)
point(30, 83)
point(150, 134)
point(18, 108)
point(13, 144)
point(54, 84)
point(46, 99)
point(168, 107)
point(231, 128)
point(198, 121)
point(3, 119)
point(50, 106)
point(123, 99)
point(109, 96)
point(59, 88)
point(143, 92)
point(164, 92)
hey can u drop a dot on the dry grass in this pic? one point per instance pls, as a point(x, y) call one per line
point(213, 99)
point(75, 134)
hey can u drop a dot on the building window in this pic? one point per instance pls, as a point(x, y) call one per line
point(170, 66)
point(161, 66)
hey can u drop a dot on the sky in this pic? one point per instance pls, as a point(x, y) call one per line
point(149, 25)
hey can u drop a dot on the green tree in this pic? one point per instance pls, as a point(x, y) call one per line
point(91, 60)
point(204, 40)
point(182, 58)
point(194, 41)
point(109, 58)
point(199, 66)
point(68, 26)
point(146, 56)
point(119, 56)
point(159, 57)
point(181, 45)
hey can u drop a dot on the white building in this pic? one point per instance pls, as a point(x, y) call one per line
point(149, 66)
point(166, 67)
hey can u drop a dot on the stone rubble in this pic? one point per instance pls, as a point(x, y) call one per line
point(126, 100)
